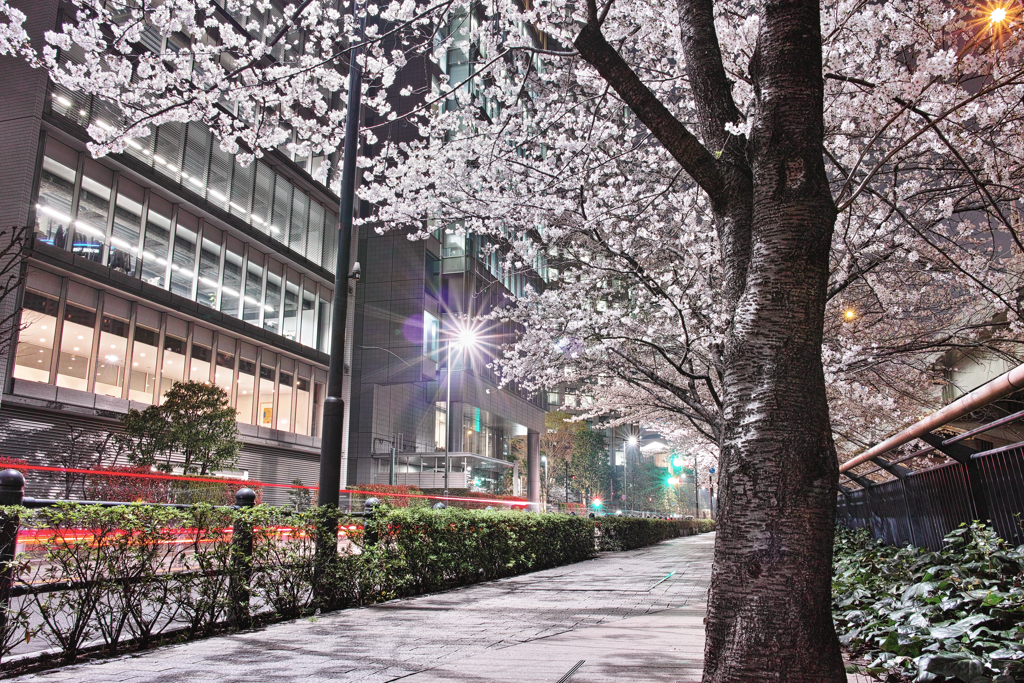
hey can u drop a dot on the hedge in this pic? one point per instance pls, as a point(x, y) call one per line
point(628, 533)
point(121, 578)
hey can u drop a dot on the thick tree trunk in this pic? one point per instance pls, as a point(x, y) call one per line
point(769, 616)
point(769, 613)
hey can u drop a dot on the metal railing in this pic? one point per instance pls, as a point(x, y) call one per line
point(920, 506)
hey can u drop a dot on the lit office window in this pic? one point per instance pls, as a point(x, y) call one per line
point(197, 158)
point(272, 305)
point(263, 198)
point(124, 240)
point(167, 159)
point(157, 243)
point(319, 391)
point(431, 334)
point(184, 260)
point(173, 368)
point(75, 347)
point(290, 321)
point(35, 342)
point(209, 268)
point(284, 400)
point(143, 373)
point(241, 190)
point(302, 404)
point(219, 183)
point(246, 390)
point(299, 223)
point(231, 289)
point(56, 189)
point(308, 317)
point(93, 208)
point(251, 304)
point(265, 410)
point(324, 333)
point(282, 210)
point(199, 365)
point(224, 372)
point(110, 356)
point(315, 237)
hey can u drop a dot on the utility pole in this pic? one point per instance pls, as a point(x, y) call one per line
point(334, 404)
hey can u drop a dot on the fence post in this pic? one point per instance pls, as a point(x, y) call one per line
point(241, 559)
point(12, 492)
point(371, 535)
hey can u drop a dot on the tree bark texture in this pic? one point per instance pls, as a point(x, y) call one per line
point(769, 613)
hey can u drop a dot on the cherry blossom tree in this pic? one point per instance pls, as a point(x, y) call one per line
point(749, 212)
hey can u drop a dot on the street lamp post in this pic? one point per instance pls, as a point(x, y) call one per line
point(334, 405)
point(464, 339)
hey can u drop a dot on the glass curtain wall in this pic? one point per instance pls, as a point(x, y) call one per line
point(84, 206)
point(129, 351)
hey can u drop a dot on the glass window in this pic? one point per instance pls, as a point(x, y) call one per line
point(246, 389)
point(263, 197)
point(199, 367)
point(56, 189)
point(184, 260)
point(110, 356)
point(289, 324)
point(253, 288)
point(318, 409)
point(35, 341)
point(169, 138)
point(143, 375)
point(219, 185)
point(282, 209)
point(230, 291)
point(197, 157)
point(302, 406)
point(432, 274)
point(241, 190)
point(173, 368)
point(299, 225)
point(308, 318)
point(284, 401)
point(431, 333)
point(75, 347)
point(124, 240)
point(315, 236)
point(93, 207)
point(272, 307)
point(330, 242)
point(209, 268)
point(324, 334)
point(224, 373)
point(157, 242)
point(265, 416)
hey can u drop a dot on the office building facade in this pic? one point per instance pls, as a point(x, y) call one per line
point(171, 261)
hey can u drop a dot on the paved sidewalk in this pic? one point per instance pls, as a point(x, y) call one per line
point(636, 615)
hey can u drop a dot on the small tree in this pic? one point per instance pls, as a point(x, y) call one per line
point(194, 421)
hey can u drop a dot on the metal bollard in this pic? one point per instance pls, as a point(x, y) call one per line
point(241, 560)
point(12, 492)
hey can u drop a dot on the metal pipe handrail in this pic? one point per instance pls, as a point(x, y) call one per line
point(985, 427)
point(998, 388)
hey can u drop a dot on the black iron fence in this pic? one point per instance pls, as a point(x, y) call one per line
point(921, 507)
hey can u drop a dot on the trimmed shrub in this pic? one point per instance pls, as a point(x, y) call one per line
point(125, 576)
point(432, 550)
point(628, 533)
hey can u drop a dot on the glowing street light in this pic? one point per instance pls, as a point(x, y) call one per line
point(997, 15)
point(632, 441)
point(850, 314)
point(673, 481)
point(464, 339)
